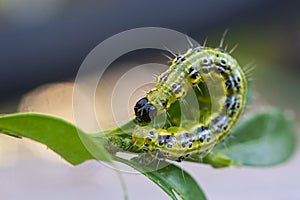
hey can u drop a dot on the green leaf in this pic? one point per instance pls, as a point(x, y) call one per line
point(60, 136)
point(266, 139)
point(170, 179)
point(76, 147)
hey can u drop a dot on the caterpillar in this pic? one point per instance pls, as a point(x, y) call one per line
point(188, 71)
point(191, 68)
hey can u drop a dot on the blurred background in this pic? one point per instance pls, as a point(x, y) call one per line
point(43, 43)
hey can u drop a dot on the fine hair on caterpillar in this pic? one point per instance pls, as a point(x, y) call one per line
point(198, 65)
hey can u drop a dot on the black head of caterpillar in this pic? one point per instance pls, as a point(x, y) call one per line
point(145, 111)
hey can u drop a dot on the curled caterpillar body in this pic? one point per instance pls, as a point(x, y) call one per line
point(175, 145)
point(187, 71)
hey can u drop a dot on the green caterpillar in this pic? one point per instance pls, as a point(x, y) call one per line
point(187, 72)
point(191, 68)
